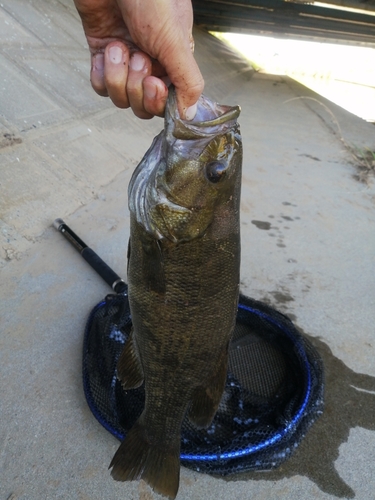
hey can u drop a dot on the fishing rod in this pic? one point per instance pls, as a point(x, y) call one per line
point(91, 257)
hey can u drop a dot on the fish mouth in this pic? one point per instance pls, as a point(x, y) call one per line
point(150, 198)
point(211, 118)
point(232, 114)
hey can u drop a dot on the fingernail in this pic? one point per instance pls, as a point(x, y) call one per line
point(191, 112)
point(149, 89)
point(115, 54)
point(98, 62)
point(137, 62)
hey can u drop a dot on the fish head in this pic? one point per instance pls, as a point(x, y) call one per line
point(196, 170)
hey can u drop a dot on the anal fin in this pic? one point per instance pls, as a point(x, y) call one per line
point(206, 399)
point(129, 368)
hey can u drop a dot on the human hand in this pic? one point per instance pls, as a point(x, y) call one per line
point(137, 45)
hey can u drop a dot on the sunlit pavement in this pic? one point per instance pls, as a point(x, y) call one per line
point(344, 74)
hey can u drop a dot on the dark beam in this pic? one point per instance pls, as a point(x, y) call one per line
point(351, 4)
point(288, 8)
point(284, 18)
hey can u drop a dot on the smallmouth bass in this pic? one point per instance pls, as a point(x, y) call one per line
point(183, 279)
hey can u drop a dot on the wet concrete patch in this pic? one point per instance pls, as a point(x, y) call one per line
point(311, 157)
point(287, 203)
point(349, 403)
point(261, 224)
point(281, 297)
point(9, 139)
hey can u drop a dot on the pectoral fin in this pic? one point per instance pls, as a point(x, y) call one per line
point(153, 264)
point(129, 368)
point(206, 399)
point(128, 255)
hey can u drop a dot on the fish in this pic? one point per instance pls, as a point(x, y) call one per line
point(183, 285)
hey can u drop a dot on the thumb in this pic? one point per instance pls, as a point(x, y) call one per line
point(183, 71)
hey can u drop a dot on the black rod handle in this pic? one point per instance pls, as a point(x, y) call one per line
point(91, 257)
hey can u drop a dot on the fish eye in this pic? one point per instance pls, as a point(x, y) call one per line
point(215, 171)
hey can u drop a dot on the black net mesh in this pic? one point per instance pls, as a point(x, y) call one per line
point(274, 389)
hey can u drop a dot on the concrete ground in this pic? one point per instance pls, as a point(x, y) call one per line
point(308, 240)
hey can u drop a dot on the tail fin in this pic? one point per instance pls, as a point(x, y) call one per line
point(136, 458)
